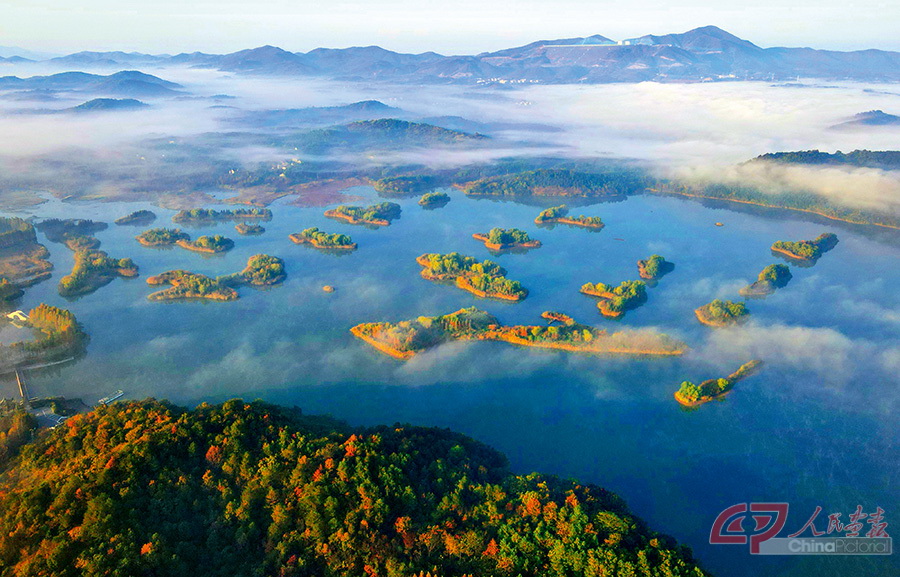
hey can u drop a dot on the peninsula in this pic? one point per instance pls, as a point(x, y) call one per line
point(207, 244)
point(23, 262)
point(189, 285)
point(614, 301)
point(248, 229)
point(719, 313)
point(434, 199)
point(138, 217)
point(405, 339)
point(207, 215)
point(59, 230)
point(484, 279)
point(559, 215)
point(59, 335)
point(691, 395)
point(498, 239)
point(774, 276)
point(806, 250)
point(323, 240)
point(380, 214)
point(654, 268)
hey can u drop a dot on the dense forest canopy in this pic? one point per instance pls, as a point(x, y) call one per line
point(246, 489)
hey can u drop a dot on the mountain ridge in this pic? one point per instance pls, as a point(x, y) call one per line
point(707, 53)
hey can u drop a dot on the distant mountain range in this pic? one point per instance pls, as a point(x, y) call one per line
point(126, 83)
point(703, 54)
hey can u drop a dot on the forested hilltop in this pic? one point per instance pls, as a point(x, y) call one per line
point(147, 488)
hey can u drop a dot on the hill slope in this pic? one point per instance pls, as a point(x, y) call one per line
point(252, 489)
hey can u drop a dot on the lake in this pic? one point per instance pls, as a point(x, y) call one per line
point(816, 427)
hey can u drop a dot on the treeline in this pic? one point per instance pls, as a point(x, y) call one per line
point(558, 182)
point(884, 159)
point(206, 214)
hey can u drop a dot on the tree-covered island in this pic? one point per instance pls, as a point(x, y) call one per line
point(189, 285)
point(506, 239)
point(560, 215)
point(404, 339)
point(138, 217)
point(654, 267)
point(261, 270)
point(59, 230)
point(691, 395)
point(254, 489)
point(323, 240)
point(247, 229)
point(201, 215)
point(405, 185)
point(157, 237)
point(806, 250)
point(434, 199)
point(721, 313)
point(207, 244)
point(614, 301)
point(483, 279)
point(380, 214)
point(774, 276)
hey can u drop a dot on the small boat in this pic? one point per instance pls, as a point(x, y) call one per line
point(115, 396)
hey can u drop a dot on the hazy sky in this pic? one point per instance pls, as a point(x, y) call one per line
point(446, 26)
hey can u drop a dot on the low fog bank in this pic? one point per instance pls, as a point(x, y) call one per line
point(700, 133)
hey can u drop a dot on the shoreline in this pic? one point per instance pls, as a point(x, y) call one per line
point(189, 245)
point(774, 206)
point(382, 347)
point(569, 221)
point(792, 255)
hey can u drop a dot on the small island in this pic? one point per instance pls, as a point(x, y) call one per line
point(691, 395)
point(158, 237)
point(774, 276)
point(138, 217)
point(380, 214)
point(501, 239)
point(630, 294)
point(263, 270)
point(59, 336)
point(201, 215)
point(434, 199)
point(405, 339)
point(654, 268)
point(94, 269)
point(555, 317)
point(806, 250)
point(247, 229)
point(721, 313)
point(484, 279)
point(207, 244)
point(559, 215)
point(189, 285)
point(323, 240)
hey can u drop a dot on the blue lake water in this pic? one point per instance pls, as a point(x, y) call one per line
point(817, 427)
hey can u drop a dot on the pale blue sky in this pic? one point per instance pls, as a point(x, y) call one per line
point(446, 26)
